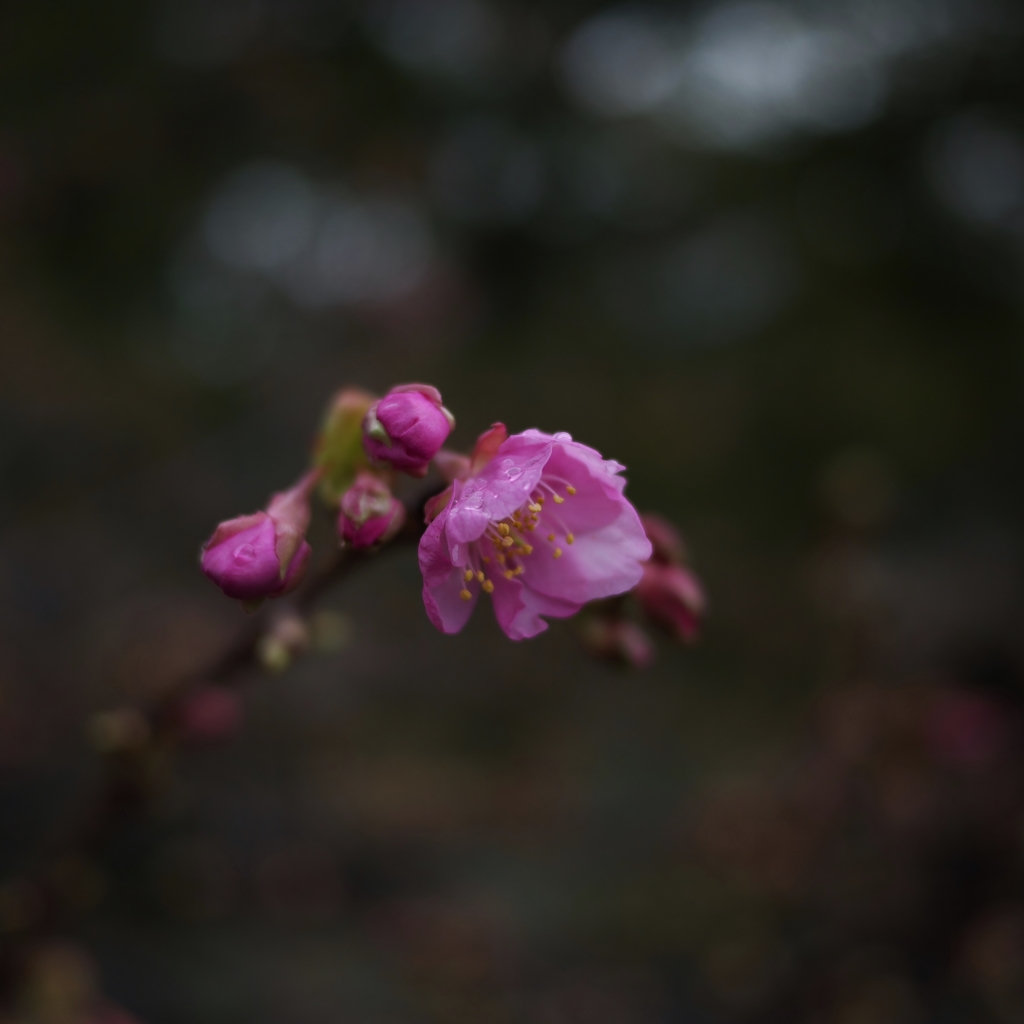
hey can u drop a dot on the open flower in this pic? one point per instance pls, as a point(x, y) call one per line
point(543, 527)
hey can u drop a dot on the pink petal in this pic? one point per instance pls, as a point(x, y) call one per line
point(487, 445)
point(504, 486)
point(435, 560)
point(599, 564)
point(446, 609)
point(518, 608)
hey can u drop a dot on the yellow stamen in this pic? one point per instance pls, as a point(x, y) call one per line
point(509, 574)
point(558, 499)
point(501, 559)
point(465, 594)
point(570, 538)
point(558, 552)
point(551, 536)
point(540, 500)
point(479, 577)
point(486, 559)
point(506, 542)
point(527, 549)
point(468, 575)
point(488, 586)
point(533, 507)
point(503, 529)
point(570, 489)
point(520, 569)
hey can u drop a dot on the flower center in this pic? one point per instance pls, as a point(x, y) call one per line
point(505, 545)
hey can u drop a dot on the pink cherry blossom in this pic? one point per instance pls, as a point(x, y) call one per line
point(543, 527)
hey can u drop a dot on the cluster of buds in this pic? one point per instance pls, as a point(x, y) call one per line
point(537, 522)
point(669, 593)
point(669, 596)
point(363, 443)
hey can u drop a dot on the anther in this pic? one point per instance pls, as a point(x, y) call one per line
point(501, 559)
point(486, 559)
point(479, 577)
point(468, 575)
point(509, 574)
point(533, 507)
point(527, 549)
point(558, 499)
point(488, 586)
point(570, 489)
point(506, 542)
point(551, 536)
point(503, 529)
point(558, 552)
point(465, 594)
point(570, 538)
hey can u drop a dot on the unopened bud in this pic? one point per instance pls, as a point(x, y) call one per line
point(369, 513)
point(673, 598)
point(407, 427)
point(617, 639)
point(265, 554)
point(668, 545)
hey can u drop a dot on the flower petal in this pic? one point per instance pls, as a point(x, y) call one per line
point(605, 562)
point(504, 486)
point(435, 558)
point(445, 606)
point(518, 608)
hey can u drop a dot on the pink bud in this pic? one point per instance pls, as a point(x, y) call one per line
point(209, 714)
point(672, 597)
point(668, 545)
point(407, 427)
point(617, 640)
point(369, 513)
point(264, 554)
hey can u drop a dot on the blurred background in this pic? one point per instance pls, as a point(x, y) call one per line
point(768, 254)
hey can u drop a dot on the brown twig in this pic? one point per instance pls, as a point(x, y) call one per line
point(129, 771)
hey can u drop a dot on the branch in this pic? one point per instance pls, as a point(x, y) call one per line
point(131, 770)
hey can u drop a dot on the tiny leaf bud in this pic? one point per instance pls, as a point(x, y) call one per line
point(338, 450)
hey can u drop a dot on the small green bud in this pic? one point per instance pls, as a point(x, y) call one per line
point(338, 452)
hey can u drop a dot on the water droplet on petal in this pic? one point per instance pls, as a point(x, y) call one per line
point(510, 470)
